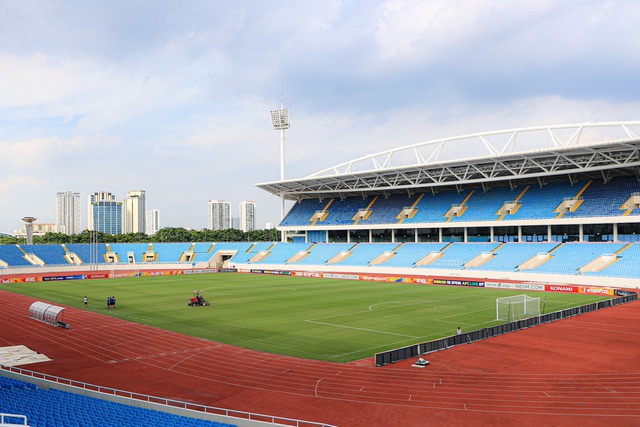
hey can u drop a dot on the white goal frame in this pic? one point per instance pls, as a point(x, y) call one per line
point(517, 307)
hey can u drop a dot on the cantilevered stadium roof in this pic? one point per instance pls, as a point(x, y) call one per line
point(535, 154)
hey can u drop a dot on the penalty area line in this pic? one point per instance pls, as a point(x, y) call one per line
point(361, 329)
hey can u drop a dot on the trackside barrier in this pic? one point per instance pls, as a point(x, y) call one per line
point(13, 419)
point(191, 410)
point(415, 350)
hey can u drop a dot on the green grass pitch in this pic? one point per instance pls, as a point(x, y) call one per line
point(324, 319)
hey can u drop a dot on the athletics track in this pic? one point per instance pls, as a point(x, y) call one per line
point(582, 371)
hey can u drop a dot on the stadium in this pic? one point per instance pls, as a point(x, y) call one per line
point(372, 249)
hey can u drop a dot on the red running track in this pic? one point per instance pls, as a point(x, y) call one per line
point(583, 371)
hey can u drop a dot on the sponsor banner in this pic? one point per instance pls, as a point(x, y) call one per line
point(228, 270)
point(519, 286)
point(22, 280)
point(623, 293)
point(593, 290)
point(375, 278)
point(54, 278)
point(98, 276)
point(458, 283)
point(341, 276)
point(158, 273)
point(274, 272)
point(122, 274)
point(307, 274)
point(561, 288)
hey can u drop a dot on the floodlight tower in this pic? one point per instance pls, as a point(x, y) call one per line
point(280, 121)
point(28, 225)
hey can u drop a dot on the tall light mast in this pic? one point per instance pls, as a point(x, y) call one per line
point(280, 121)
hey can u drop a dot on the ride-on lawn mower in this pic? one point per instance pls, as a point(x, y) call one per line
point(197, 300)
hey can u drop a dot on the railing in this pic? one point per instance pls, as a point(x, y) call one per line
point(393, 356)
point(12, 418)
point(163, 401)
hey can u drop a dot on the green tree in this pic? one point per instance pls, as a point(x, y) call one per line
point(50, 238)
point(173, 235)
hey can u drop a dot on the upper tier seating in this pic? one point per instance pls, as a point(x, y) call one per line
point(482, 206)
point(341, 212)
point(606, 199)
point(433, 207)
point(540, 203)
point(301, 212)
point(385, 210)
point(533, 202)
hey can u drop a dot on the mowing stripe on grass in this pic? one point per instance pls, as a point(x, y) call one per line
point(360, 329)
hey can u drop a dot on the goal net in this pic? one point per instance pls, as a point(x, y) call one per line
point(517, 307)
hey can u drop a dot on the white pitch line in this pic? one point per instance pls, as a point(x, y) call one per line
point(361, 329)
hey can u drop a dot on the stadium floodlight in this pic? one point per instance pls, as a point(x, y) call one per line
point(517, 307)
point(280, 121)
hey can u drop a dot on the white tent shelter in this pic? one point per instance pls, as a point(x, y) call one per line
point(48, 313)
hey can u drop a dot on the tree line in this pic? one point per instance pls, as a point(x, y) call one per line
point(168, 235)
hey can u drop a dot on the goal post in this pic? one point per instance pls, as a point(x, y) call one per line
point(517, 307)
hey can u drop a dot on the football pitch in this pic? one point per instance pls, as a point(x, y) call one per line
point(323, 319)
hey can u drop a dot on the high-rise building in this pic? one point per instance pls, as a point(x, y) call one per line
point(68, 217)
point(105, 213)
point(153, 221)
point(235, 223)
point(133, 213)
point(247, 215)
point(219, 215)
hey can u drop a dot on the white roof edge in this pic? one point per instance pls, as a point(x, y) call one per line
point(491, 151)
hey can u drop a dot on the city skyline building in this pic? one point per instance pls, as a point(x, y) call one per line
point(104, 213)
point(134, 212)
point(153, 222)
point(247, 215)
point(68, 213)
point(219, 214)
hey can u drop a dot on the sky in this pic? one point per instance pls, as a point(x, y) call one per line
point(174, 97)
